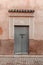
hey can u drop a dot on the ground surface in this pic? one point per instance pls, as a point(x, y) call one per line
point(21, 60)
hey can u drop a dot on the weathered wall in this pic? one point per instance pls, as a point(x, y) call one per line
point(5, 6)
point(37, 5)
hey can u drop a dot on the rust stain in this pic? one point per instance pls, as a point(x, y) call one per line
point(1, 31)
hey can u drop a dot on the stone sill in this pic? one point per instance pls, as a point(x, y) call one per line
point(21, 56)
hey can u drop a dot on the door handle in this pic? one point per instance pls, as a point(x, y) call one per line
point(22, 35)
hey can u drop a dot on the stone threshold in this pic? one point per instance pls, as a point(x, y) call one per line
point(21, 56)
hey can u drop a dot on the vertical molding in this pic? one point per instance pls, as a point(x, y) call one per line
point(31, 28)
point(10, 28)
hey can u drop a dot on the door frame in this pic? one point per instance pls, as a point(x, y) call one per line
point(28, 33)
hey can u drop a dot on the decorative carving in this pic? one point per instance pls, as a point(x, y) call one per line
point(21, 11)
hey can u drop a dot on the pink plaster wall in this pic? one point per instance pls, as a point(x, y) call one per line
point(5, 5)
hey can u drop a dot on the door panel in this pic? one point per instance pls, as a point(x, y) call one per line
point(21, 40)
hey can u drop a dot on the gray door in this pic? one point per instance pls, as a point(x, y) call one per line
point(21, 40)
